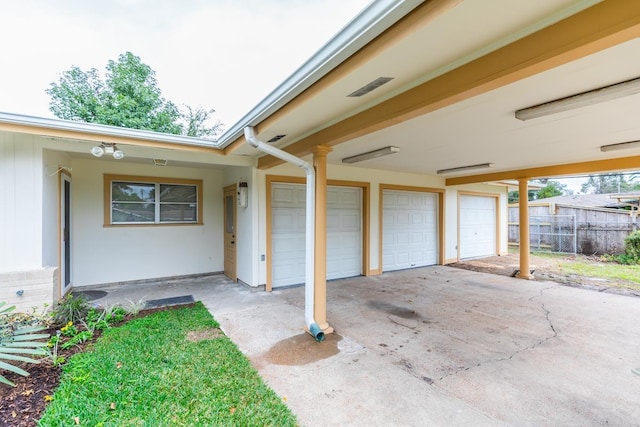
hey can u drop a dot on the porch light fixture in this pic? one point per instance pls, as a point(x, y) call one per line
point(107, 148)
point(371, 154)
point(606, 93)
point(620, 146)
point(464, 168)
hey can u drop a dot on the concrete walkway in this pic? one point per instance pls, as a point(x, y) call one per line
point(435, 346)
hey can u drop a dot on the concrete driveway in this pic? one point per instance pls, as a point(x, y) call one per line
point(438, 346)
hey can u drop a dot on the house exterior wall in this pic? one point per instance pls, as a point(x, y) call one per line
point(29, 289)
point(53, 161)
point(21, 175)
point(126, 253)
point(248, 260)
point(27, 280)
point(377, 177)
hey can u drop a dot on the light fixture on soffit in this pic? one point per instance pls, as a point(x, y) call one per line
point(464, 168)
point(606, 93)
point(107, 148)
point(371, 154)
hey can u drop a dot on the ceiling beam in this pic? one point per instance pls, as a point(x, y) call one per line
point(581, 168)
point(597, 28)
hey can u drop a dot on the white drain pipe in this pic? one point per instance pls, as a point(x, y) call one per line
point(309, 297)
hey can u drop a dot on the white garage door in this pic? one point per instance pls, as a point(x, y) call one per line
point(477, 226)
point(344, 233)
point(410, 229)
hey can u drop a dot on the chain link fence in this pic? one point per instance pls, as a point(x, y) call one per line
point(553, 233)
point(550, 233)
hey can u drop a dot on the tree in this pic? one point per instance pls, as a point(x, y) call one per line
point(551, 189)
point(610, 183)
point(129, 97)
point(196, 123)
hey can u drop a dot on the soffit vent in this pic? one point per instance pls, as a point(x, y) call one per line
point(370, 86)
point(277, 138)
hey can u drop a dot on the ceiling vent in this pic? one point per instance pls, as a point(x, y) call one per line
point(277, 138)
point(370, 86)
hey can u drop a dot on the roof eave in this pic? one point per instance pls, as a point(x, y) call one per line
point(377, 17)
point(99, 129)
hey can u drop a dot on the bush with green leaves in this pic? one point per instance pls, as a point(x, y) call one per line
point(632, 247)
point(18, 343)
point(631, 253)
point(71, 308)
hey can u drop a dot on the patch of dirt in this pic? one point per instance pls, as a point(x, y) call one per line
point(205, 334)
point(548, 268)
point(23, 405)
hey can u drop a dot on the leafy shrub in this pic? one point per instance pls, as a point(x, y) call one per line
point(632, 247)
point(16, 341)
point(71, 308)
point(631, 253)
point(115, 314)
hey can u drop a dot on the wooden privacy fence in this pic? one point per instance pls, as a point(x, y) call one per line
point(596, 230)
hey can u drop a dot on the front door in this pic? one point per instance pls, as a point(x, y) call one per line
point(65, 233)
point(230, 203)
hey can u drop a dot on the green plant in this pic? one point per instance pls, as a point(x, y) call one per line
point(78, 338)
point(134, 307)
point(71, 308)
point(16, 341)
point(69, 330)
point(95, 320)
point(115, 314)
point(632, 247)
point(52, 350)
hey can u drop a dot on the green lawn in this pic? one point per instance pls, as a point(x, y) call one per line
point(147, 373)
point(587, 267)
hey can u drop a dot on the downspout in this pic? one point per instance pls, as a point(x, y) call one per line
point(309, 298)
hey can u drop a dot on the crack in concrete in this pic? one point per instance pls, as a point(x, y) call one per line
point(527, 348)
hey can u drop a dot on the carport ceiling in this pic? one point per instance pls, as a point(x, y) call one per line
point(482, 128)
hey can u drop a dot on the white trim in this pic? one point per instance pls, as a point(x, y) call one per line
point(99, 129)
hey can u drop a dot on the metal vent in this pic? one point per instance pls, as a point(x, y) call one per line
point(370, 86)
point(276, 138)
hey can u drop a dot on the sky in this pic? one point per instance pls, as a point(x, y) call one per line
point(222, 54)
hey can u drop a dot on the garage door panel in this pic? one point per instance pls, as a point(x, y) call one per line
point(478, 222)
point(284, 220)
point(344, 233)
point(409, 229)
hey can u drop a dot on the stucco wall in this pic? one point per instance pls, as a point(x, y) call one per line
point(114, 254)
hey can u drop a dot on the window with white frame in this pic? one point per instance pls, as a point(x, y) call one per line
point(140, 200)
